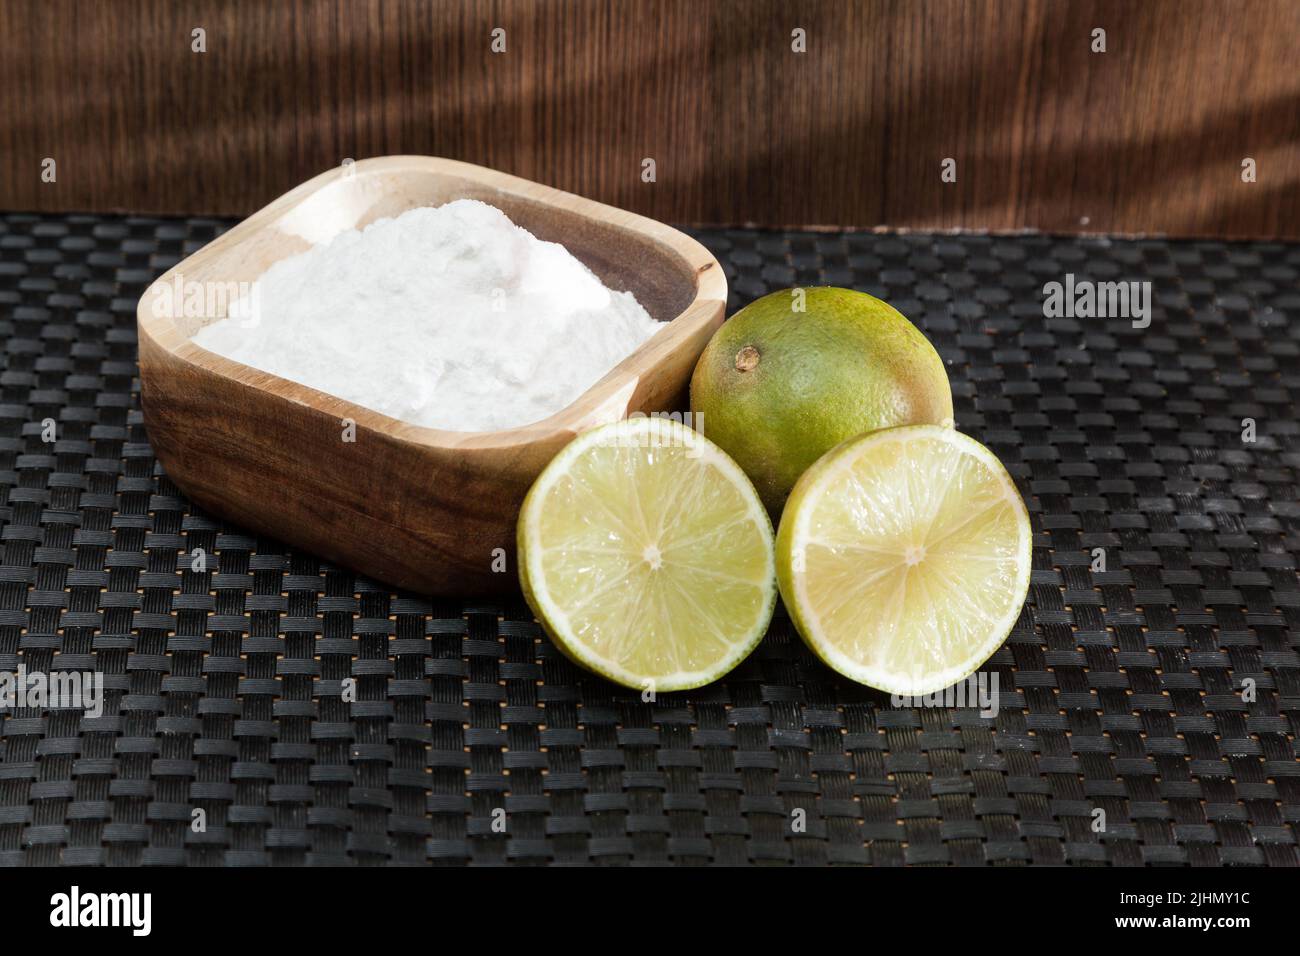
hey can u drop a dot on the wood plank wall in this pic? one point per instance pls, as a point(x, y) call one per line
point(1148, 137)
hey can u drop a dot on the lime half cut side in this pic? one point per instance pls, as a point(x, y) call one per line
point(904, 558)
point(647, 556)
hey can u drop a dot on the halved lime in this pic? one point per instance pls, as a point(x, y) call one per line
point(904, 557)
point(646, 555)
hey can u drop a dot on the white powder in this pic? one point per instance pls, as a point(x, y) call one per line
point(451, 318)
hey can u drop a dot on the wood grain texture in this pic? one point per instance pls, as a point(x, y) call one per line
point(1145, 138)
point(421, 508)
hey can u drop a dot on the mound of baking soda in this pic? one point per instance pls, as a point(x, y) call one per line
point(450, 317)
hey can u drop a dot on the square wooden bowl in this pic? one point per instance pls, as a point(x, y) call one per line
point(421, 508)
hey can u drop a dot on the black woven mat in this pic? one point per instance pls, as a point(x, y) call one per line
point(1125, 691)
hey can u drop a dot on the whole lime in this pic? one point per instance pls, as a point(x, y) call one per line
point(795, 373)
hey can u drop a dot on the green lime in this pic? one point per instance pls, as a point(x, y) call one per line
point(778, 387)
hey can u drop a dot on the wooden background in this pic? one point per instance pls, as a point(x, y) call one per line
point(1145, 138)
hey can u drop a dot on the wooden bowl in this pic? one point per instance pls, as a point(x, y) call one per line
point(421, 508)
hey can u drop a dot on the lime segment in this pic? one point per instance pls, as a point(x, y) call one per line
point(904, 558)
point(647, 556)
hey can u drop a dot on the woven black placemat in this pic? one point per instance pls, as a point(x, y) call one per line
point(1125, 691)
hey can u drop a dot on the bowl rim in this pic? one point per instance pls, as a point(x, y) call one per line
point(593, 406)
